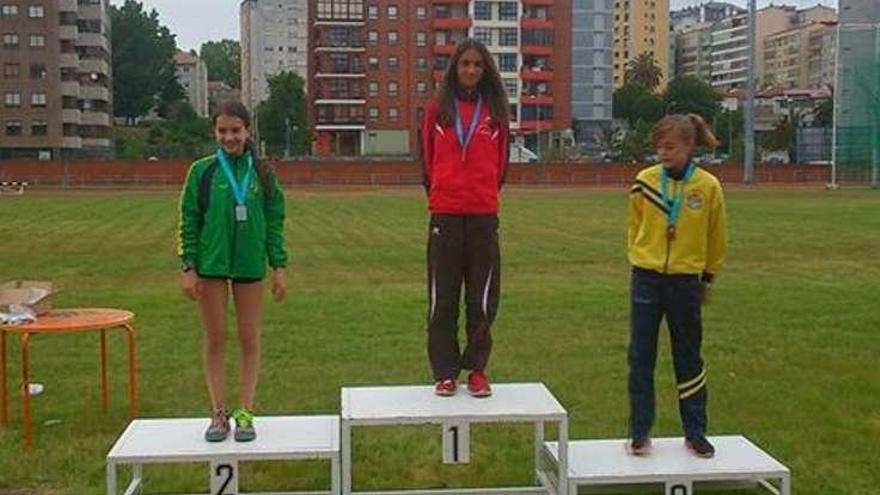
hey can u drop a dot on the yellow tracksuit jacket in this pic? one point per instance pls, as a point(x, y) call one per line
point(701, 233)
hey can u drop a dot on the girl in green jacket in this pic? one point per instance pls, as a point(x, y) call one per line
point(231, 225)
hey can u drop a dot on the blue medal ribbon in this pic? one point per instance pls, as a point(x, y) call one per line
point(239, 191)
point(465, 139)
point(674, 204)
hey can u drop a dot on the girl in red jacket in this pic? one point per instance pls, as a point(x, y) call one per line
point(465, 136)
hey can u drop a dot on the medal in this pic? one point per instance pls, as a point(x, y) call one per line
point(239, 191)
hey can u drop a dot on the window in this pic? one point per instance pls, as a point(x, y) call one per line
point(508, 11)
point(421, 38)
point(38, 71)
point(11, 71)
point(511, 86)
point(393, 63)
point(393, 113)
point(36, 12)
point(373, 11)
point(483, 11)
point(421, 12)
point(8, 10)
point(38, 41)
point(373, 37)
point(421, 63)
point(13, 99)
point(39, 128)
point(10, 41)
point(392, 88)
point(392, 37)
point(13, 128)
point(421, 88)
point(483, 35)
point(373, 88)
point(373, 63)
point(507, 62)
point(38, 99)
point(374, 113)
point(507, 37)
point(392, 12)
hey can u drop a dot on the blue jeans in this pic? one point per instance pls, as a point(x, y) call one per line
point(677, 297)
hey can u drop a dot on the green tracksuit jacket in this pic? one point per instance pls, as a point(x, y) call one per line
point(212, 240)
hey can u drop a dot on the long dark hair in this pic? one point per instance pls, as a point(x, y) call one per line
point(238, 110)
point(490, 86)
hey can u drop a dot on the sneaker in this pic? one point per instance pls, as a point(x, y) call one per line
point(640, 446)
point(244, 425)
point(700, 447)
point(445, 388)
point(219, 427)
point(478, 384)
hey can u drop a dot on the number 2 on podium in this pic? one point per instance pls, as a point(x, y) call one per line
point(224, 478)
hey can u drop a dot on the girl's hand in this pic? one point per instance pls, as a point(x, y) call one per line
point(190, 285)
point(705, 293)
point(279, 284)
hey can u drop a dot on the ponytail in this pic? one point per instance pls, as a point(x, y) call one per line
point(703, 136)
point(691, 126)
point(264, 170)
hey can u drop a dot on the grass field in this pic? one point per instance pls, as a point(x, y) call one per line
point(791, 338)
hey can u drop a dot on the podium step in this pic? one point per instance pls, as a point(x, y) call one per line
point(182, 440)
point(606, 462)
point(418, 404)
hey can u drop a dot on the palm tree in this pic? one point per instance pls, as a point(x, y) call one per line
point(643, 71)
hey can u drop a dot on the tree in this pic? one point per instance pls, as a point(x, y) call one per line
point(643, 71)
point(824, 113)
point(689, 94)
point(171, 94)
point(282, 117)
point(634, 102)
point(637, 144)
point(223, 59)
point(143, 59)
point(728, 128)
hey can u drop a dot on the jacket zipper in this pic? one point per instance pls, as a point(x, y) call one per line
point(668, 240)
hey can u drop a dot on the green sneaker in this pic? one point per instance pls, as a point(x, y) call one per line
point(244, 425)
point(218, 430)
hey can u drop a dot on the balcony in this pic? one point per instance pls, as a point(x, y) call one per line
point(543, 99)
point(450, 2)
point(339, 21)
point(91, 92)
point(69, 60)
point(99, 119)
point(536, 74)
point(341, 46)
point(543, 3)
point(538, 50)
point(535, 125)
point(447, 49)
point(340, 71)
point(450, 23)
point(71, 116)
point(70, 88)
point(68, 6)
point(68, 33)
point(74, 142)
point(94, 66)
point(529, 22)
point(93, 39)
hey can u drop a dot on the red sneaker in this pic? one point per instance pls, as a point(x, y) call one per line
point(478, 384)
point(445, 388)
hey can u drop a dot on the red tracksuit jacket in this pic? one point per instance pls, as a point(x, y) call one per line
point(464, 183)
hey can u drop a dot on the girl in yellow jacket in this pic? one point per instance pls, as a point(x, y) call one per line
point(676, 244)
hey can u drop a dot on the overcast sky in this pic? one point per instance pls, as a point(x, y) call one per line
point(197, 21)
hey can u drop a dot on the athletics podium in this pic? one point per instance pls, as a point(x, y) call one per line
point(562, 467)
point(164, 441)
